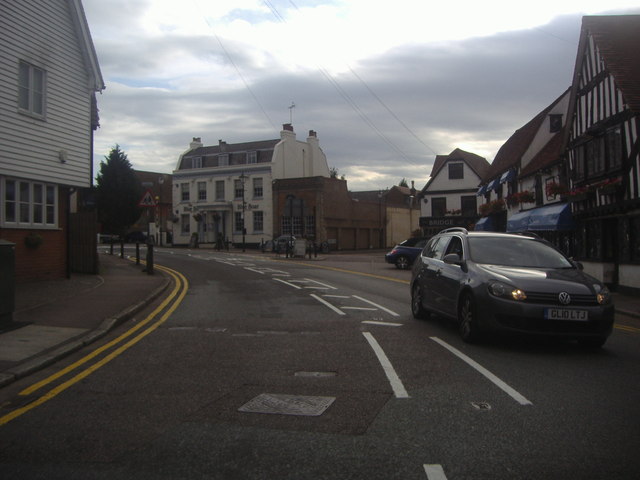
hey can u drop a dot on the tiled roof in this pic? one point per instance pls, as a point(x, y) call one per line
point(515, 147)
point(618, 39)
point(232, 148)
point(547, 156)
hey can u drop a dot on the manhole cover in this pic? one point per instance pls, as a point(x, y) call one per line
point(281, 404)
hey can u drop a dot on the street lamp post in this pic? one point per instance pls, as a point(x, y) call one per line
point(243, 177)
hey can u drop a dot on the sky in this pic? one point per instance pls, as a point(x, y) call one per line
point(387, 86)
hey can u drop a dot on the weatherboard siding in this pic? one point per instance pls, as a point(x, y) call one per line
point(43, 34)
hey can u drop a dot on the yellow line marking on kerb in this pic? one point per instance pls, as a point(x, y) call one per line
point(85, 373)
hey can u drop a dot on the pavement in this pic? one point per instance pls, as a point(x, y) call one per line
point(53, 319)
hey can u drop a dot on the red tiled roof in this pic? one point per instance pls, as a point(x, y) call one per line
point(618, 40)
point(547, 156)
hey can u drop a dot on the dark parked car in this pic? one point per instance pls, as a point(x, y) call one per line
point(510, 283)
point(403, 254)
point(135, 237)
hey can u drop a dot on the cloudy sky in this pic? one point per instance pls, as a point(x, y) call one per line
point(386, 85)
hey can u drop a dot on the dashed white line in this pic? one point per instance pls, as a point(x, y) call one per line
point(324, 302)
point(288, 283)
point(434, 472)
point(499, 383)
point(394, 379)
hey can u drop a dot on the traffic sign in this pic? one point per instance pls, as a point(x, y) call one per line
point(147, 200)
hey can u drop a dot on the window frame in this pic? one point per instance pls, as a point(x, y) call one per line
point(30, 212)
point(258, 221)
point(454, 174)
point(29, 91)
point(202, 192)
point(258, 188)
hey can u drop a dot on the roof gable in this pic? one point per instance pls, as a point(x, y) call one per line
point(86, 45)
point(479, 165)
point(618, 39)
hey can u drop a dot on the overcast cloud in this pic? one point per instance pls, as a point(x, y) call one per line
point(387, 86)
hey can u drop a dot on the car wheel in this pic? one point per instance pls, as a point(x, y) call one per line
point(417, 309)
point(402, 262)
point(592, 342)
point(468, 319)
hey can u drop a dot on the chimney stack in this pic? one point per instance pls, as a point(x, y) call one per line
point(223, 145)
point(288, 127)
point(195, 143)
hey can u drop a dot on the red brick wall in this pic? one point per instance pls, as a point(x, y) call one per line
point(48, 261)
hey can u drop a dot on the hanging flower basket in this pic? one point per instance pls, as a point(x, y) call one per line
point(554, 188)
point(197, 217)
point(33, 240)
point(494, 206)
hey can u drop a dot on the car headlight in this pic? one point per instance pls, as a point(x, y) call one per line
point(503, 290)
point(603, 294)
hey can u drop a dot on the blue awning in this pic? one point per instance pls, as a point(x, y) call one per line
point(485, 224)
point(481, 190)
point(508, 175)
point(551, 217)
point(519, 222)
point(493, 184)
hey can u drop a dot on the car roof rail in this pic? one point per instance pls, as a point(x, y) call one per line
point(455, 229)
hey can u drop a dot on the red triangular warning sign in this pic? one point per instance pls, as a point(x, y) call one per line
point(147, 200)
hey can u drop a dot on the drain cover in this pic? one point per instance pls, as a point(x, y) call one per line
point(280, 404)
point(481, 405)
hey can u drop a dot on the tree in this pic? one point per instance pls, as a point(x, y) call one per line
point(403, 183)
point(118, 192)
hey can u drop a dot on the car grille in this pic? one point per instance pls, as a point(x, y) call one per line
point(552, 299)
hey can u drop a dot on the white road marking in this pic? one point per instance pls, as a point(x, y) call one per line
point(328, 287)
point(360, 308)
point(499, 383)
point(390, 312)
point(336, 296)
point(394, 380)
point(324, 302)
point(385, 324)
point(288, 283)
point(434, 472)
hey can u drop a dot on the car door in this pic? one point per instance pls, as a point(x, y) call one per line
point(451, 277)
point(430, 272)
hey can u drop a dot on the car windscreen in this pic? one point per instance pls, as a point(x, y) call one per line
point(516, 252)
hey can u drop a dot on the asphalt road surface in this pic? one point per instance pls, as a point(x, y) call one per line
point(256, 367)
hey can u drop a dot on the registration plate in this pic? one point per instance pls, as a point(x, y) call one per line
point(566, 314)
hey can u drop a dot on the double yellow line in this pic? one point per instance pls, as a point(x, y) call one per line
point(176, 296)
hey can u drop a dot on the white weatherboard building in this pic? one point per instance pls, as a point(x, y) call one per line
point(223, 192)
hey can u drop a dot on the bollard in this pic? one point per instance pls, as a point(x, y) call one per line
point(149, 268)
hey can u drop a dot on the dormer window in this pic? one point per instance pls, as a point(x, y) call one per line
point(555, 123)
point(223, 160)
point(252, 157)
point(456, 171)
point(196, 162)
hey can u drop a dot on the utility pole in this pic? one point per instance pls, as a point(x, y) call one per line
point(243, 177)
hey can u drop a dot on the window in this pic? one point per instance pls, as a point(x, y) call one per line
point(223, 160)
point(252, 157)
point(614, 147)
point(555, 122)
point(185, 224)
point(296, 225)
point(202, 190)
point(238, 224)
point(310, 226)
point(438, 206)
point(469, 206)
point(28, 204)
point(257, 188)
point(196, 162)
point(258, 221)
point(31, 89)
point(238, 189)
point(286, 226)
point(219, 190)
point(184, 190)
point(435, 247)
point(456, 171)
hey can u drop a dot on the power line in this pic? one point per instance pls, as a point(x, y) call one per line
point(237, 70)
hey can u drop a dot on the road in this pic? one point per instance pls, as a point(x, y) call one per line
point(256, 367)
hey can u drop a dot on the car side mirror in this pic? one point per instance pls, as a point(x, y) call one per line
point(452, 259)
